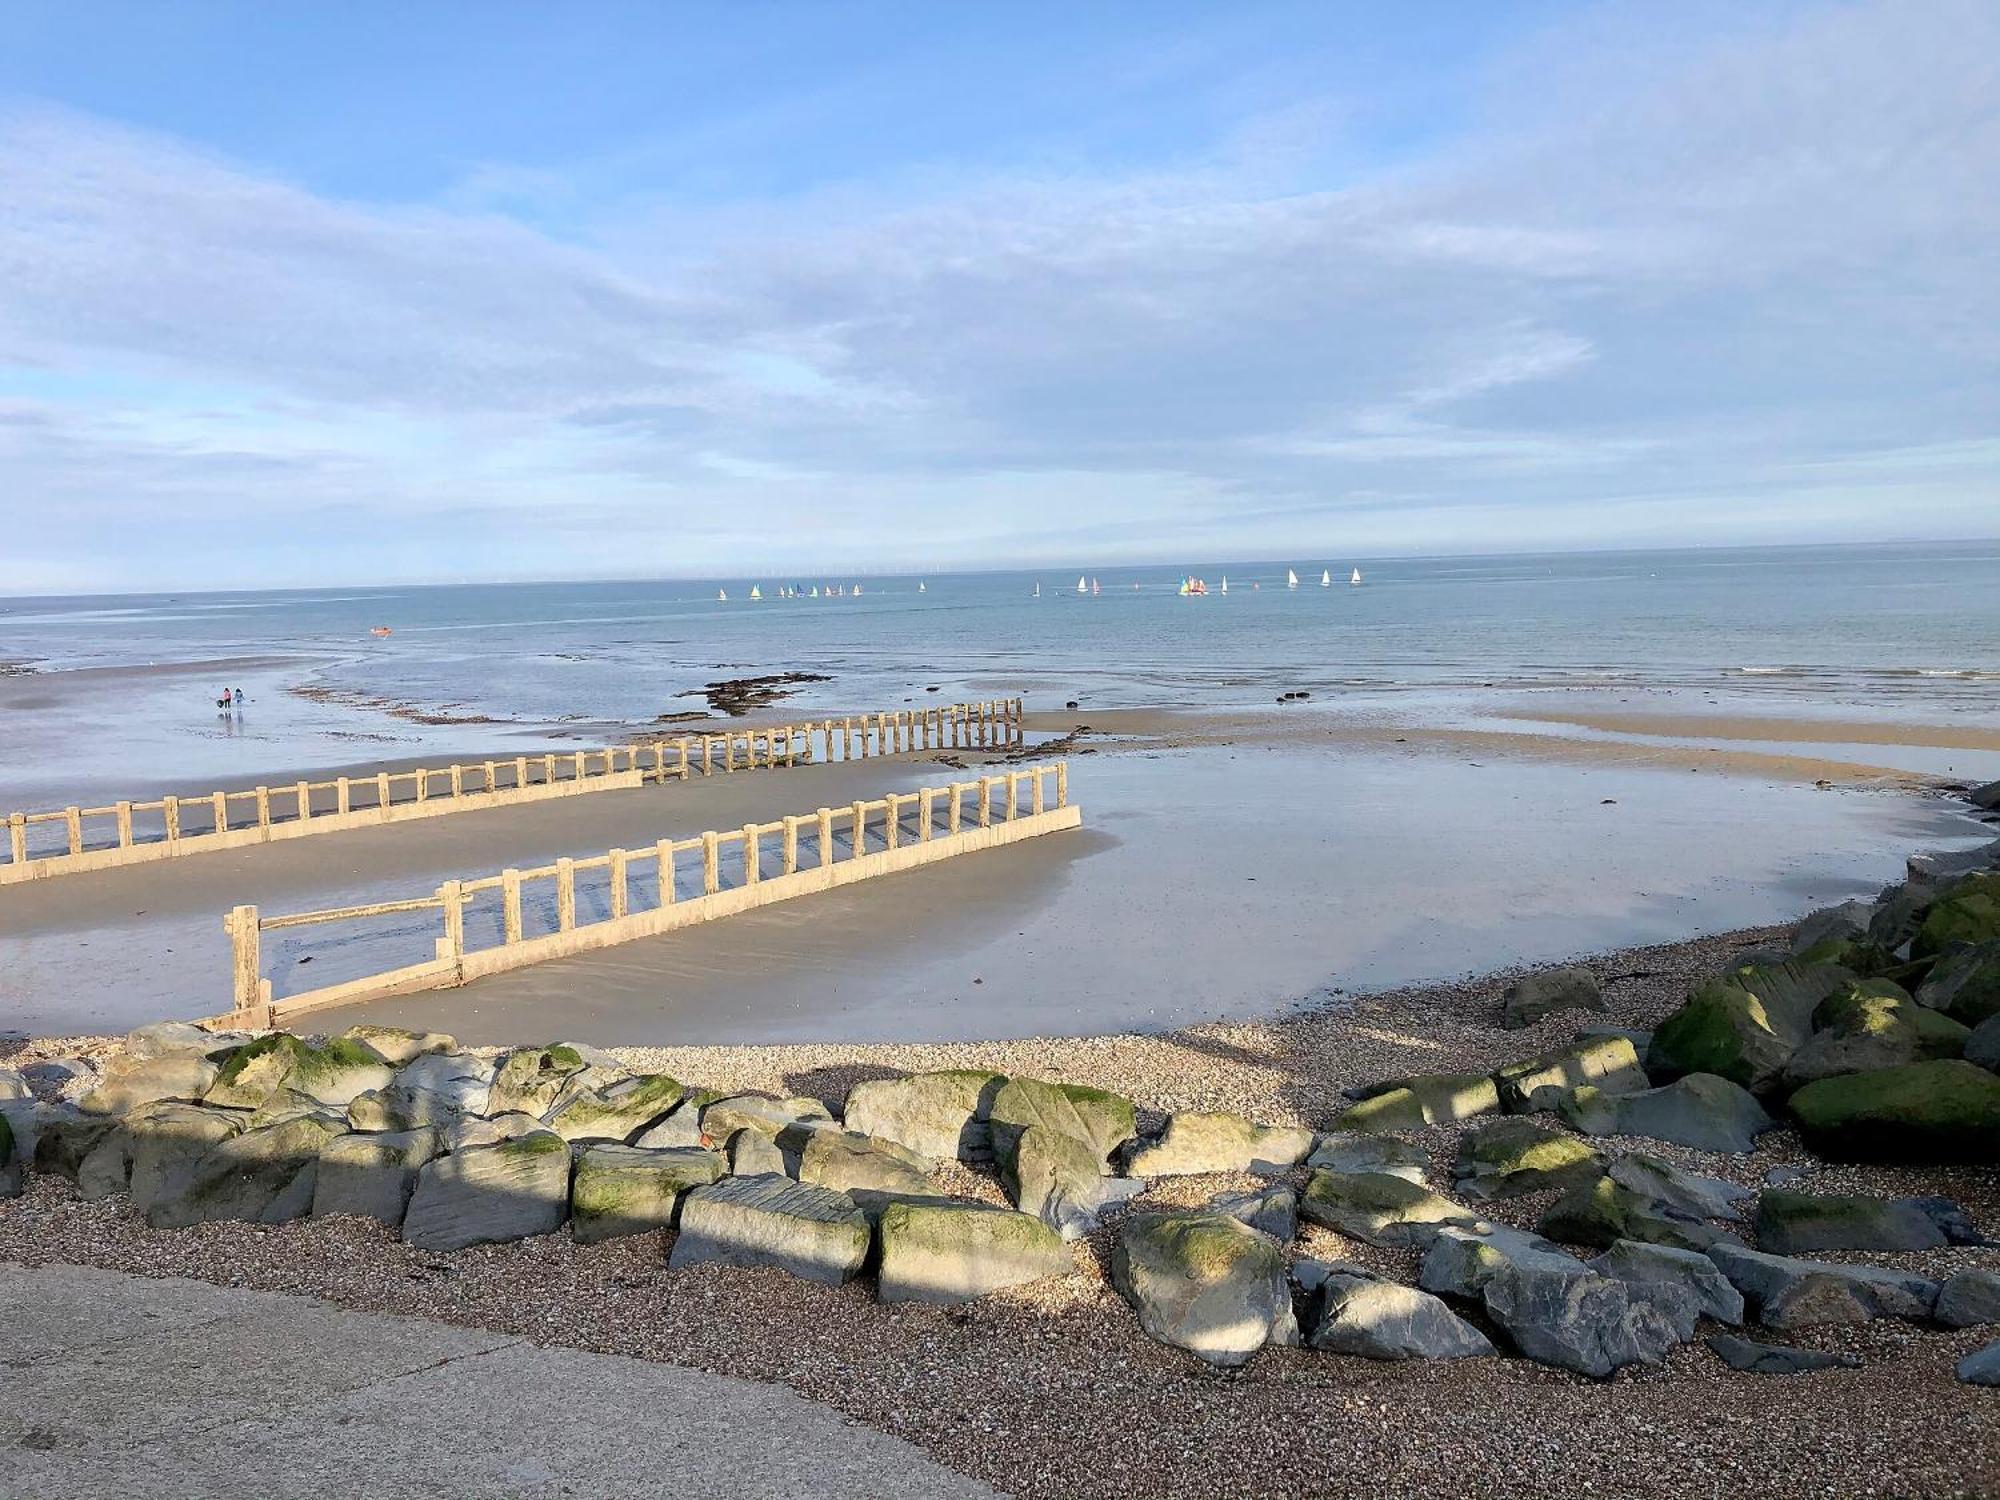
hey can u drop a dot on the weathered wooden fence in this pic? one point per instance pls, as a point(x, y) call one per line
point(729, 871)
point(75, 839)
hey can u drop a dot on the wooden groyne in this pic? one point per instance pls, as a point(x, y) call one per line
point(728, 870)
point(73, 840)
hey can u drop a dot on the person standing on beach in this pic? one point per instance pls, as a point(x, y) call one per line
point(238, 694)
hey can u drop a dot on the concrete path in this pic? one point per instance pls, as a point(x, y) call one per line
point(123, 1385)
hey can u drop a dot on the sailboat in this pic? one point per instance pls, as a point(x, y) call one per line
point(1038, 591)
point(920, 586)
point(723, 595)
point(755, 592)
point(1357, 576)
point(1326, 577)
point(857, 591)
point(1081, 586)
point(1225, 583)
point(1291, 579)
point(1096, 587)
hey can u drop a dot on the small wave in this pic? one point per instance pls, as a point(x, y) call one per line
point(1770, 671)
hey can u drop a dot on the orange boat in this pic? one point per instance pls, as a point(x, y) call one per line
point(381, 630)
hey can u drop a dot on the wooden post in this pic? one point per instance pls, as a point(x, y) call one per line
point(926, 806)
point(578, 774)
point(124, 825)
point(707, 753)
point(264, 806)
point(423, 782)
point(549, 770)
point(457, 779)
point(520, 772)
point(891, 820)
point(222, 812)
point(73, 817)
point(957, 803)
point(453, 902)
point(1040, 771)
point(17, 838)
point(825, 819)
point(686, 770)
point(711, 868)
point(343, 795)
point(510, 906)
point(847, 739)
point(246, 943)
point(986, 801)
point(1013, 794)
point(791, 845)
point(618, 892)
point(885, 737)
point(729, 751)
point(1062, 783)
point(753, 855)
point(305, 796)
point(958, 726)
point(860, 829)
point(565, 894)
point(826, 735)
point(491, 783)
point(170, 812)
point(663, 854)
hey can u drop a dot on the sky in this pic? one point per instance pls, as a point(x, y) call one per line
point(317, 294)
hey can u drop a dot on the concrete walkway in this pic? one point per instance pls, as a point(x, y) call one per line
point(123, 1385)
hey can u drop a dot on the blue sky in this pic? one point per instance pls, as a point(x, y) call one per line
point(298, 294)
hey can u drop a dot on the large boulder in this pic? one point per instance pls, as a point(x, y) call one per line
point(1594, 1325)
point(1845, 923)
point(813, 1232)
point(65, 1136)
point(681, 1125)
point(1534, 997)
point(1601, 1213)
point(1377, 1319)
point(1755, 1358)
point(1689, 1270)
point(1061, 1181)
point(1685, 1192)
point(1101, 1121)
point(1981, 1367)
point(1927, 1111)
point(332, 1072)
point(1968, 1299)
point(769, 1116)
point(934, 1252)
point(267, 1176)
point(1273, 1209)
point(619, 1190)
point(940, 1115)
point(1378, 1208)
point(847, 1160)
point(398, 1046)
point(12, 1168)
point(751, 1153)
point(1420, 1101)
point(509, 1190)
point(371, 1174)
point(531, 1079)
point(1966, 911)
point(1983, 1046)
point(1701, 1110)
point(1371, 1153)
point(165, 1038)
point(1604, 1062)
point(1782, 1292)
point(1798, 1223)
point(166, 1141)
point(1744, 1026)
point(1461, 1261)
point(1205, 1283)
point(130, 1082)
point(1870, 1024)
point(1964, 984)
point(1219, 1142)
point(1507, 1157)
point(616, 1111)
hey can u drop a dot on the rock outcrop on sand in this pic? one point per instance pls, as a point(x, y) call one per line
point(1205, 1283)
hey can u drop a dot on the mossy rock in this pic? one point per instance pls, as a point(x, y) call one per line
point(1744, 1026)
point(1927, 1111)
point(1205, 1283)
point(618, 1111)
point(1540, 1083)
point(1378, 1208)
point(332, 1072)
point(1871, 1024)
point(1506, 1158)
point(1101, 1120)
point(1964, 984)
point(530, 1079)
point(623, 1190)
point(1601, 1213)
point(1967, 912)
point(946, 1252)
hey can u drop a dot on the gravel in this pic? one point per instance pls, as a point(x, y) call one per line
point(1051, 1390)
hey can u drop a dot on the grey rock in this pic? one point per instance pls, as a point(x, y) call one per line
point(1601, 1213)
point(1968, 1299)
point(1983, 1046)
point(1775, 1359)
point(24, 1128)
point(132, 1082)
point(12, 1167)
point(1385, 1320)
point(762, 1113)
point(330, 1073)
point(1460, 1262)
point(1700, 1110)
point(1594, 1325)
point(1795, 1223)
point(846, 1160)
point(1784, 1175)
point(532, 1079)
point(14, 1086)
point(1847, 921)
point(1608, 1064)
point(1420, 1101)
point(1782, 1292)
point(371, 1175)
point(68, 1078)
point(463, 1132)
point(615, 1111)
point(679, 1127)
point(509, 1190)
point(1507, 1157)
point(619, 1190)
point(1986, 797)
point(1206, 1283)
point(1101, 1121)
point(813, 1232)
point(166, 1140)
point(1272, 1210)
point(1380, 1209)
point(64, 1136)
point(1195, 1142)
point(1981, 1367)
point(1938, 867)
point(1371, 1153)
point(1060, 1180)
point(166, 1038)
point(1693, 1272)
point(954, 1252)
point(751, 1153)
point(1310, 1274)
point(940, 1115)
point(264, 1175)
point(399, 1047)
point(1685, 1192)
point(1537, 996)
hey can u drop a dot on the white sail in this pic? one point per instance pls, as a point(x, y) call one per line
point(1326, 577)
point(1096, 587)
point(1291, 579)
point(1357, 576)
point(920, 586)
point(1082, 587)
point(1038, 591)
point(723, 595)
point(1225, 583)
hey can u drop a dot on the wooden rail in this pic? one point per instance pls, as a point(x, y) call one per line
point(125, 833)
point(728, 871)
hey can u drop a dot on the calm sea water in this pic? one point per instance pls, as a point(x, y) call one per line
point(1883, 626)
